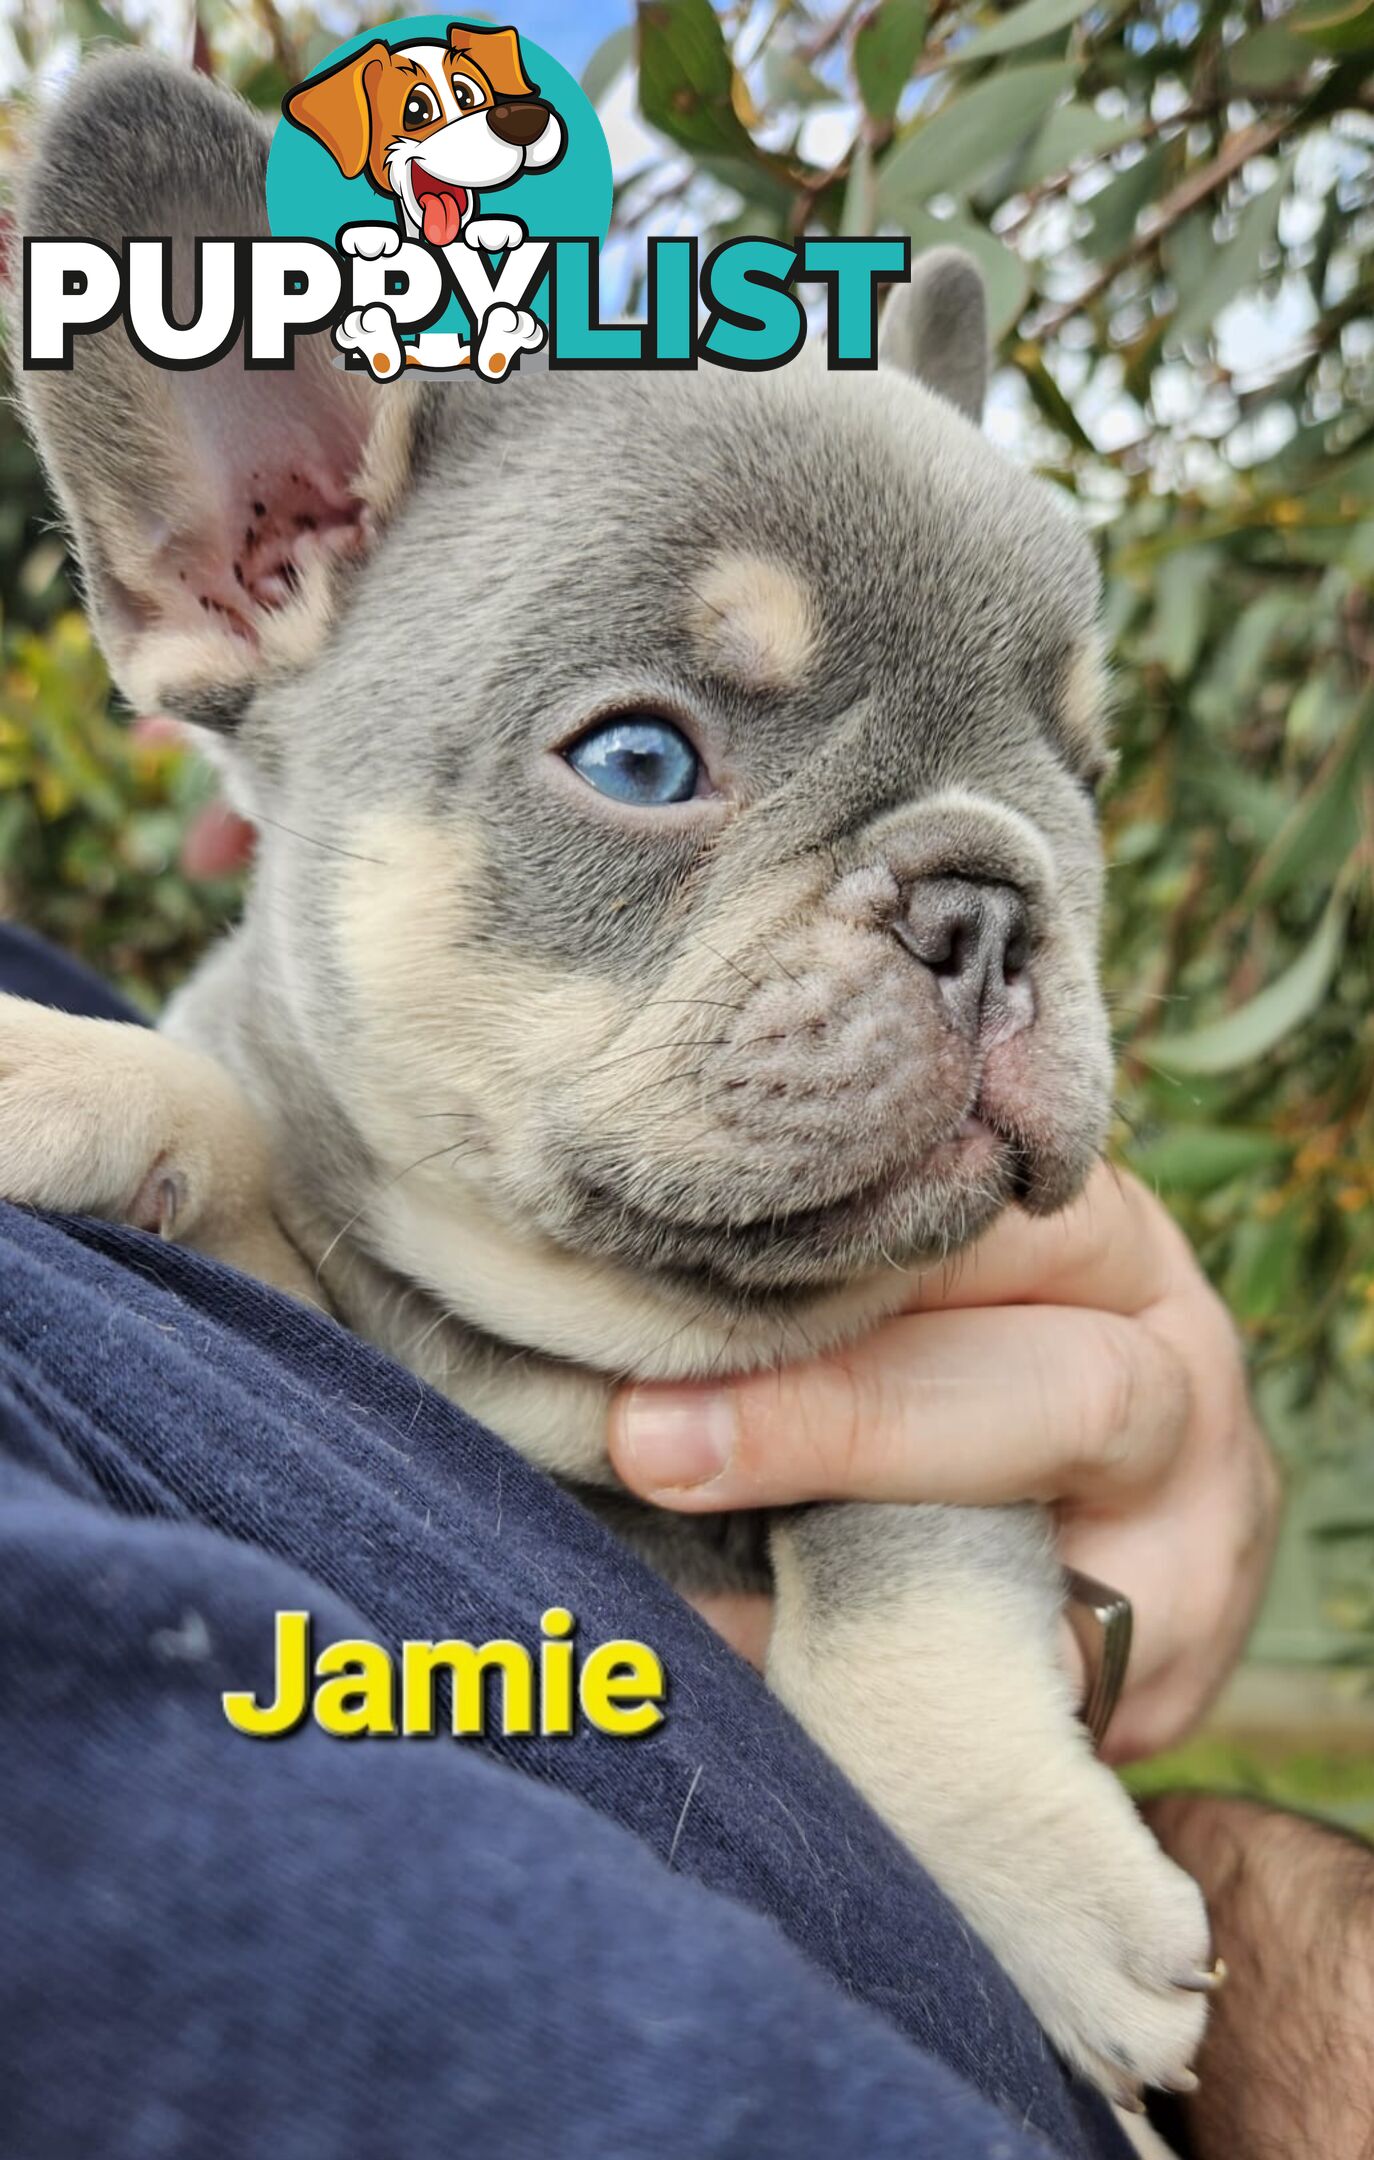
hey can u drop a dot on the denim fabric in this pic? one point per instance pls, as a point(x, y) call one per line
point(701, 1943)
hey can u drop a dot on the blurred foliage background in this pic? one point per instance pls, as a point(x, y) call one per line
point(1174, 206)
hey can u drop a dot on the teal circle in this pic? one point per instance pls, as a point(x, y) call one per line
point(308, 197)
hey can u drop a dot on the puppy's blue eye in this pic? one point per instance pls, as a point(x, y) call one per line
point(644, 761)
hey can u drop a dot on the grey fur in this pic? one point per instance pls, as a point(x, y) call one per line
point(449, 939)
point(936, 328)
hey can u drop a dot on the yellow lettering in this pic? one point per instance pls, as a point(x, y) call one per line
point(266, 1721)
point(358, 1692)
point(556, 1674)
point(467, 1665)
point(627, 1673)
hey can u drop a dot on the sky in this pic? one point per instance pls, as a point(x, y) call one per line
point(570, 29)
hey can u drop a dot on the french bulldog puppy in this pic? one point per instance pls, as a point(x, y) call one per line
point(675, 920)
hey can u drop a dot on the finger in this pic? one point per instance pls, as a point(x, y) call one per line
point(1044, 1403)
point(1115, 1248)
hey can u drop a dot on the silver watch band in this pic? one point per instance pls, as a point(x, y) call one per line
point(1101, 1621)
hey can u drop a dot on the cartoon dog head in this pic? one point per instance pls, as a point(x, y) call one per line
point(432, 123)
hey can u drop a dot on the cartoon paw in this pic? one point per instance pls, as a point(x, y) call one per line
point(506, 332)
point(370, 241)
point(371, 333)
point(494, 235)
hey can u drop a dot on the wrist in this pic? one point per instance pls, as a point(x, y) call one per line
point(1287, 2067)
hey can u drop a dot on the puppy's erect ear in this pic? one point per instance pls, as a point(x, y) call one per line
point(336, 108)
point(497, 53)
point(936, 328)
point(211, 507)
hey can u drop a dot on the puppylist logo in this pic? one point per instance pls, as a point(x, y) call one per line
point(437, 199)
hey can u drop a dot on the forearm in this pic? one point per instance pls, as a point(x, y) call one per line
point(1287, 2069)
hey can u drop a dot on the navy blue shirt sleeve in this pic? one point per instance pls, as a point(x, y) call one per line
point(315, 1949)
point(698, 1944)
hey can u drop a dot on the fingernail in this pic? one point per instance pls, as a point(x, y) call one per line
point(676, 1438)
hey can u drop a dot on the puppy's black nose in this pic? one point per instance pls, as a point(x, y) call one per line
point(523, 123)
point(975, 940)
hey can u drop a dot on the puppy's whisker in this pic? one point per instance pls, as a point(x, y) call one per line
point(663, 1080)
point(725, 961)
point(781, 964)
point(433, 1156)
point(652, 1356)
point(1132, 1124)
point(423, 1337)
point(313, 840)
point(716, 1004)
point(647, 1050)
point(718, 1361)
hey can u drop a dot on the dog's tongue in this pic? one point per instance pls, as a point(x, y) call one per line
point(442, 220)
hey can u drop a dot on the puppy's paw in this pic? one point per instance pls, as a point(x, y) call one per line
point(371, 333)
point(102, 1118)
point(1110, 1945)
point(506, 332)
point(82, 1122)
point(371, 242)
point(947, 1706)
point(494, 235)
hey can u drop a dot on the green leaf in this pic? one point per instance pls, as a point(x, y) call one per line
point(1216, 274)
point(946, 154)
point(1247, 649)
point(1316, 844)
point(687, 78)
point(1072, 133)
point(857, 216)
point(1051, 400)
point(787, 80)
point(1261, 1279)
point(1326, 825)
point(1336, 26)
point(1022, 26)
point(91, 20)
point(1199, 1158)
point(611, 56)
point(766, 196)
point(1319, 712)
point(1263, 59)
point(1115, 209)
point(1181, 617)
point(1248, 1034)
point(1240, 797)
point(886, 48)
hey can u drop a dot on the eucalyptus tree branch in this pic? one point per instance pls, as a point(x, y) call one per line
point(1237, 150)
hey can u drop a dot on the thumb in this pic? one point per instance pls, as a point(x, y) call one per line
point(767, 1438)
point(971, 1407)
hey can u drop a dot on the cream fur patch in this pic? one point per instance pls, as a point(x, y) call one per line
point(1086, 700)
point(446, 1022)
point(753, 619)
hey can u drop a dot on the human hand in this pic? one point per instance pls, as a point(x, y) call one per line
point(1080, 1360)
point(1287, 2066)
